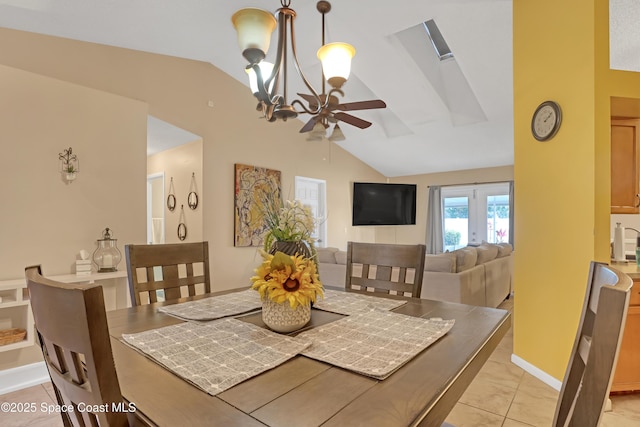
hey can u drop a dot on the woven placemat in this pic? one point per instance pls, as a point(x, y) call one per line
point(374, 343)
point(215, 307)
point(217, 355)
point(350, 303)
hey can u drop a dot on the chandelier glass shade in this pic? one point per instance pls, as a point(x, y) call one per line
point(336, 62)
point(254, 28)
point(266, 68)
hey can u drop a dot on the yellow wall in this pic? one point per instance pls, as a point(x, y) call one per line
point(562, 186)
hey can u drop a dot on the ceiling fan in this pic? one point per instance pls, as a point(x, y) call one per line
point(333, 111)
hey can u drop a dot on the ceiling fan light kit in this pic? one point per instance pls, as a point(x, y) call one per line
point(254, 28)
point(336, 62)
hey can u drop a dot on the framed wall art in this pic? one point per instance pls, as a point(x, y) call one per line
point(253, 186)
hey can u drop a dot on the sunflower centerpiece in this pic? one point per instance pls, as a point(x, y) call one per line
point(287, 279)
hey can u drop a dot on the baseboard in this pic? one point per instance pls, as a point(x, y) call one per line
point(536, 372)
point(23, 377)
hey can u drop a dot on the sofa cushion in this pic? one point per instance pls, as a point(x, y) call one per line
point(486, 252)
point(327, 255)
point(341, 257)
point(445, 262)
point(465, 258)
point(504, 249)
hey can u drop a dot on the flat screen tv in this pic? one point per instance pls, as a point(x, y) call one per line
point(384, 204)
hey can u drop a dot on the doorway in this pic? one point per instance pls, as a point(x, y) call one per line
point(174, 166)
point(155, 208)
point(476, 213)
point(312, 192)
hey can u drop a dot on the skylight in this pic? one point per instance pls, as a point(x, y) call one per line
point(437, 40)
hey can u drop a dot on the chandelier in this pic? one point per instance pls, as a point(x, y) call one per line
point(254, 28)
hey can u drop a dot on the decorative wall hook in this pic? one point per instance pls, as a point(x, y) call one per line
point(171, 198)
point(192, 198)
point(182, 227)
point(69, 165)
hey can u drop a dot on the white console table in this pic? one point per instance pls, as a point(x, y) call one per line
point(15, 307)
point(115, 286)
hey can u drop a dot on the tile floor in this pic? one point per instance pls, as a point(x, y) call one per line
point(502, 395)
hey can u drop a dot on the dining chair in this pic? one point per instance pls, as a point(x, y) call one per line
point(71, 326)
point(587, 380)
point(385, 268)
point(167, 268)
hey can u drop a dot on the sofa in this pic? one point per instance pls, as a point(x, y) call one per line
point(475, 275)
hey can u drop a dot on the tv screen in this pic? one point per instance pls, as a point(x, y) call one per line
point(384, 204)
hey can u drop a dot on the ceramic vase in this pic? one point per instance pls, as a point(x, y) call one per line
point(282, 318)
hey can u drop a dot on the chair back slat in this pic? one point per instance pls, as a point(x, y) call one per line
point(385, 268)
point(592, 362)
point(71, 324)
point(176, 269)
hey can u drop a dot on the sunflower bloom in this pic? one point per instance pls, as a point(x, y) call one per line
point(283, 278)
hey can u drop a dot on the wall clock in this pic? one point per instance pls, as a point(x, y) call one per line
point(546, 121)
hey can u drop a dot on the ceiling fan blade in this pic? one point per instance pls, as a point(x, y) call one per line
point(362, 105)
point(352, 120)
point(309, 125)
point(313, 102)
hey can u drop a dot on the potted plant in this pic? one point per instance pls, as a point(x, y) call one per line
point(287, 279)
point(70, 172)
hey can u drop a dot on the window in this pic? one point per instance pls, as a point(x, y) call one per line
point(475, 213)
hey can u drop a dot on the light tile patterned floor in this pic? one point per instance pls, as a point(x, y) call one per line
point(502, 395)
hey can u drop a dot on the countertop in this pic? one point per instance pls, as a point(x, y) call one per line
point(630, 268)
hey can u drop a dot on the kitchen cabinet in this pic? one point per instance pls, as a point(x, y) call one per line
point(627, 373)
point(625, 166)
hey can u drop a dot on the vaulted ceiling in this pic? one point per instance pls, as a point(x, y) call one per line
point(441, 115)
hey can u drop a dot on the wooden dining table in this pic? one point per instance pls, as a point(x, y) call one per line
point(307, 392)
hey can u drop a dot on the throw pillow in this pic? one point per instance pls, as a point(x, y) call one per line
point(445, 263)
point(466, 258)
point(341, 257)
point(487, 252)
point(504, 249)
point(327, 255)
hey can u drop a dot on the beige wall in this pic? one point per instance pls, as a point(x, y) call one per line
point(178, 91)
point(45, 220)
point(108, 133)
point(180, 163)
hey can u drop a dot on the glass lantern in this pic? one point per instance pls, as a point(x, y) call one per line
point(107, 256)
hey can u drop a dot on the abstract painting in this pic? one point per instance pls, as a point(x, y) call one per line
point(253, 186)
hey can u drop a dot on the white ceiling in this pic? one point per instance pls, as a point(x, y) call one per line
point(163, 136)
point(440, 116)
